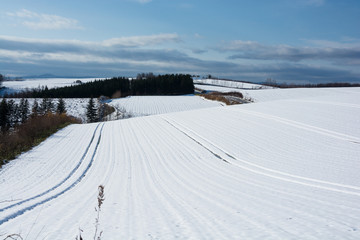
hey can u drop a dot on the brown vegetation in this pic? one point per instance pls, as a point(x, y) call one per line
point(229, 98)
point(31, 133)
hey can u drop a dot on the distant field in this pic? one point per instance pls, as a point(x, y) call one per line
point(151, 105)
point(39, 82)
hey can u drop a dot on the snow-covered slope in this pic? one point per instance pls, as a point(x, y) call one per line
point(230, 84)
point(39, 82)
point(264, 95)
point(286, 169)
point(150, 105)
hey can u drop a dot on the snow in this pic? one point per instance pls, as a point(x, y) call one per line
point(230, 84)
point(39, 82)
point(151, 105)
point(281, 168)
point(264, 95)
point(75, 107)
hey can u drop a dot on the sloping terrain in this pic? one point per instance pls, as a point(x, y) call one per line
point(39, 82)
point(151, 105)
point(230, 84)
point(286, 169)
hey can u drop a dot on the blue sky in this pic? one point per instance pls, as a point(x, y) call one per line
point(286, 40)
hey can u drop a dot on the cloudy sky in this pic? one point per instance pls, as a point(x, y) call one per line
point(286, 40)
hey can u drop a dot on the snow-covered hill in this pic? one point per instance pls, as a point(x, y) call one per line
point(285, 169)
point(230, 84)
point(151, 105)
point(39, 82)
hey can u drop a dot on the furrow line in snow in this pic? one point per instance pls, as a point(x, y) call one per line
point(60, 183)
point(348, 189)
point(261, 201)
point(187, 218)
point(22, 211)
point(202, 195)
point(332, 103)
point(304, 126)
point(213, 153)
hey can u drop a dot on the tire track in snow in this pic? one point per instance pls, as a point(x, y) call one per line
point(273, 173)
point(60, 183)
point(209, 197)
point(318, 219)
point(213, 153)
point(22, 211)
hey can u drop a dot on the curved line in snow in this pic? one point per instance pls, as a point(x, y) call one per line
point(22, 211)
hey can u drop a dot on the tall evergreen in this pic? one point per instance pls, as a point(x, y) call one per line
point(35, 110)
point(4, 115)
point(46, 106)
point(61, 106)
point(91, 111)
point(43, 105)
point(14, 113)
point(49, 106)
point(23, 110)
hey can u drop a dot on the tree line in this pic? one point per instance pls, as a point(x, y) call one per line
point(22, 128)
point(272, 83)
point(169, 84)
point(13, 114)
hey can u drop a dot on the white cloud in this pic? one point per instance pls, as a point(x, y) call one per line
point(138, 41)
point(38, 21)
point(129, 55)
point(323, 50)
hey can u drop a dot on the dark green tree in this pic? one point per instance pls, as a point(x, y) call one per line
point(23, 110)
point(61, 106)
point(35, 110)
point(4, 115)
point(91, 111)
point(14, 113)
point(1, 79)
point(46, 106)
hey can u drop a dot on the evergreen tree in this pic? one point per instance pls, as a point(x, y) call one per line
point(91, 111)
point(46, 106)
point(14, 113)
point(23, 110)
point(4, 115)
point(1, 79)
point(43, 105)
point(49, 106)
point(61, 106)
point(35, 109)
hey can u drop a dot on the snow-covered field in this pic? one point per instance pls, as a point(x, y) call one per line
point(39, 82)
point(285, 169)
point(151, 105)
point(230, 84)
point(264, 95)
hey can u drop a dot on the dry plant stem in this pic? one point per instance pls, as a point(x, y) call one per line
point(100, 198)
